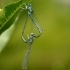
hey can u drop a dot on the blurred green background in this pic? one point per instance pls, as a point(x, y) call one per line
point(49, 52)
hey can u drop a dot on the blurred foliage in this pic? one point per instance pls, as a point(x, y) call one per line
point(49, 52)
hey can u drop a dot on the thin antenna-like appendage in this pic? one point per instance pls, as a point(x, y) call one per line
point(25, 62)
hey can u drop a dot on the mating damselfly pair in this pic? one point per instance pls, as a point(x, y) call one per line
point(32, 35)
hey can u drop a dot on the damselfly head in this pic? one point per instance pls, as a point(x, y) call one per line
point(29, 5)
point(32, 34)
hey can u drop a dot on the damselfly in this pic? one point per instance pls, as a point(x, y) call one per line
point(31, 37)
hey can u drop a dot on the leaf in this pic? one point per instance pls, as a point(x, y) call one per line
point(9, 13)
point(5, 36)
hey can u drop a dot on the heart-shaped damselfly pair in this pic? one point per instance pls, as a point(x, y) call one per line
point(31, 37)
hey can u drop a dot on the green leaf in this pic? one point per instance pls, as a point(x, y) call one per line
point(9, 13)
point(5, 36)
